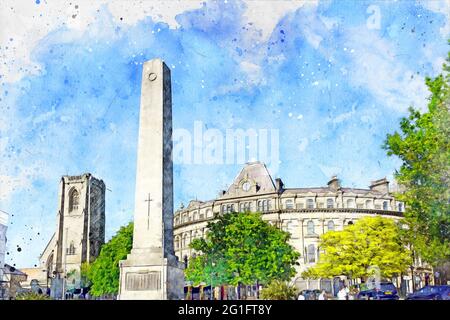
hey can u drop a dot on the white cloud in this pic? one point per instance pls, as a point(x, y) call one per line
point(11, 184)
point(386, 77)
point(26, 23)
point(266, 14)
point(254, 73)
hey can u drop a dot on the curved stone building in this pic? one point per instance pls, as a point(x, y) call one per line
point(305, 212)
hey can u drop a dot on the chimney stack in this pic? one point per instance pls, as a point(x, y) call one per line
point(279, 184)
point(334, 184)
point(381, 185)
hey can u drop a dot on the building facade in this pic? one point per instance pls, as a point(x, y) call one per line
point(3, 227)
point(80, 228)
point(306, 213)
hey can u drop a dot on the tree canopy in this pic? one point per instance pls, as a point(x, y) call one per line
point(241, 248)
point(104, 272)
point(355, 250)
point(423, 146)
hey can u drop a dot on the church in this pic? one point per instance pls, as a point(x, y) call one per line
point(79, 235)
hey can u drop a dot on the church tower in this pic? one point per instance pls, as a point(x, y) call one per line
point(80, 230)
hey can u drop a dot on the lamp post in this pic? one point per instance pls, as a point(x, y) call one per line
point(212, 272)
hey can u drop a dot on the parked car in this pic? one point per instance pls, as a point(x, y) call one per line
point(386, 291)
point(431, 293)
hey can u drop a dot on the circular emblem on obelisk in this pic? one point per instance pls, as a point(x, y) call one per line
point(152, 76)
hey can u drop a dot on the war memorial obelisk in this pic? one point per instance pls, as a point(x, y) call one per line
point(152, 271)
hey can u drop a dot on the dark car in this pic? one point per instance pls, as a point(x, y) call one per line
point(431, 293)
point(385, 291)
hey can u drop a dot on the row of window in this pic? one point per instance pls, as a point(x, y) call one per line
point(194, 217)
point(350, 203)
point(310, 227)
point(183, 241)
point(310, 255)
point(266, 205)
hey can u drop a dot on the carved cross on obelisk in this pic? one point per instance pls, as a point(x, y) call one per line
point(148, 211)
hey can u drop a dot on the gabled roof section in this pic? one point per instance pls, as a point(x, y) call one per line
point(257, 175)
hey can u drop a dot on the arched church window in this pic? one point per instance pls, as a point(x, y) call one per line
point(74, 200)
point(311, 253)
point(330, 203)
point(310, 227)
point(71, 249)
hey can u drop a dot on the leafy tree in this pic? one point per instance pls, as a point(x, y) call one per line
point(104, 272)
point(241, 248)
point(370, 242)
point(279, 290)
point(84, 274)
point(423, 146)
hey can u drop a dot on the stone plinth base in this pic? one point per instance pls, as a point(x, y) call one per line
point(144, 277)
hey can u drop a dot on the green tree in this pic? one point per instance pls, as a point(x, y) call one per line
point(279, 290)
point(423, 146)
point(353, 251)
point(242, 248)
point(104, 272)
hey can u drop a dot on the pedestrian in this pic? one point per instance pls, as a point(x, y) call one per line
point(323, 295)
point(301, 296)
point(342, 294)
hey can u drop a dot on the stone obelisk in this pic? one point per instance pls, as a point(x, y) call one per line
point(151, 270)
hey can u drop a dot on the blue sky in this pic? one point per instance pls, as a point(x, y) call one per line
point(333, 77)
